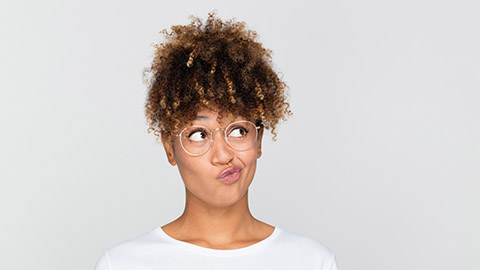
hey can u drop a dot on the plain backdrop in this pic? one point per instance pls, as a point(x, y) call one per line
point(380, 162)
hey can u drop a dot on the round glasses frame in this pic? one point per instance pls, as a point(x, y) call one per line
point(224, 137)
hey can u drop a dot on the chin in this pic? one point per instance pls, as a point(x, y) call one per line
point(225, 201)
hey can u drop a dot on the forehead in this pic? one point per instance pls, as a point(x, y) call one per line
point(206, 116)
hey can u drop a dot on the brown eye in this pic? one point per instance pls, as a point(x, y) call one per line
point(197, 135)
point(238, 132)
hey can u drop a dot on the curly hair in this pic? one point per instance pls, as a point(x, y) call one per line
point(217, 65)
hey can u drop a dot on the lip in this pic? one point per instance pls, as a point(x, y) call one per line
point(230, 175)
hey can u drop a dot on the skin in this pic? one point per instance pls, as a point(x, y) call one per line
point(216, 214)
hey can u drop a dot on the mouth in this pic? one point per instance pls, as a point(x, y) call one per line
point(230, 175)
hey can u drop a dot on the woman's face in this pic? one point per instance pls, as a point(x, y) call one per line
point(208, 177)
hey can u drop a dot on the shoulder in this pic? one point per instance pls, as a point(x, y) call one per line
point(136, 248)
point(305, 248)
point(302, 242)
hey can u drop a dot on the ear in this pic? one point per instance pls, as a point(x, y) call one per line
point(259, 142)
point(168, 146)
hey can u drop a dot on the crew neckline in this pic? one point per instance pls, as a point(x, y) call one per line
point(220, 252)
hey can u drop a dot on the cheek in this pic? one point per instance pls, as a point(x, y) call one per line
point(188, 165)
point(253, 154)
point(194, 176)
point(249, 159)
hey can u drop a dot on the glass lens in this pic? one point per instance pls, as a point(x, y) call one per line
point(241, 135)
point(195, 139)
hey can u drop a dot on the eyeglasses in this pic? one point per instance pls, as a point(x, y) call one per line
point(197, 139)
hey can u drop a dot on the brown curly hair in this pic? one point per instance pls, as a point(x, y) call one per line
point(215, 65)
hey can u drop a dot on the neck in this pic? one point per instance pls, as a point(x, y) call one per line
point(220, 225)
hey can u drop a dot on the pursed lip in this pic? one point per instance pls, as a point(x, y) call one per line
point(229, 171)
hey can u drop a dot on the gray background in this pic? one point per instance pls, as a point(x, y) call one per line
point(380, 161)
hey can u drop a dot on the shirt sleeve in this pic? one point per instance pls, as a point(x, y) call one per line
point(102, 263)
point(333, 265)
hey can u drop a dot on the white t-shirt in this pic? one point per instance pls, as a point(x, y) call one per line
point(156, 250)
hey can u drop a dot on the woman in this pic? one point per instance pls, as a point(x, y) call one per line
point(212, 92)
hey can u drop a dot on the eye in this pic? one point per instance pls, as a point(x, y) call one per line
point(197, 135)
point(238, 132)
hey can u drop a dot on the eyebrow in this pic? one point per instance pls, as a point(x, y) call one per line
point(201, 117)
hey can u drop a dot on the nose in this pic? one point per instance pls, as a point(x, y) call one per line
point(222, 153)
